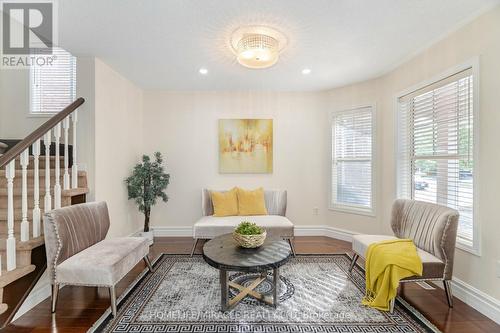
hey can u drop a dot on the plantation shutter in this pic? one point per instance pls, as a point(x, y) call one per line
point(436, 141)
point(352, 160)
point(53, 87)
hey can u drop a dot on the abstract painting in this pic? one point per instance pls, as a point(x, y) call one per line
point(245, 145)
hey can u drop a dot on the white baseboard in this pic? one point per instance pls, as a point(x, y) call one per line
point(173, 231)
point(324, 230)
point(475, 298)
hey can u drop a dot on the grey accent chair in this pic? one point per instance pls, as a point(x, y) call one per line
point(433, 229)
point(78, 253)
point(275, 223)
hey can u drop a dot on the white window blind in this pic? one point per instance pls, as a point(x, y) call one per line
point(436, 141)
point(53, 87)
point(352, 167)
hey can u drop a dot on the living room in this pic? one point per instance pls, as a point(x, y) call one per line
point(350, 106)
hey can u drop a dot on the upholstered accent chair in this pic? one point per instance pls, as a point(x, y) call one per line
point(433, 229)
point(78, 253)
point(275, 223)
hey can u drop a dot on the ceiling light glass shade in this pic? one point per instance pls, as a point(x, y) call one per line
point(257, 51)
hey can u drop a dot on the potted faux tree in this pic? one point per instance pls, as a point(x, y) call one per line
point(147, 184)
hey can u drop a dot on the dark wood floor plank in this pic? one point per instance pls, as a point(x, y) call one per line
point(79, 307)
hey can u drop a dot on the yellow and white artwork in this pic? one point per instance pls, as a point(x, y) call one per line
point(245, 145)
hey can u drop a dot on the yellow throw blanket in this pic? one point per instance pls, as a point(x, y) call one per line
point(387, 262)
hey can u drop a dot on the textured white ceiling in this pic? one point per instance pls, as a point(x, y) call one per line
point(161, 44)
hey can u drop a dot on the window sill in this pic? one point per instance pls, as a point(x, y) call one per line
point(468, 247)
point(352, 210)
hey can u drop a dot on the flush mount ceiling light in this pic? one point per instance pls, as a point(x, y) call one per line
point(257, 46)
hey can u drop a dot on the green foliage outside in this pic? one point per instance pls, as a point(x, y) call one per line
point(147, 184)
point(249, 228)
point(466, 164)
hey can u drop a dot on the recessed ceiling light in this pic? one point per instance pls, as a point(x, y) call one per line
point(306, 71)
point(203, 71)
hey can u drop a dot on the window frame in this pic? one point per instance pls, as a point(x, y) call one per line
point(474, 246)
point(32, 114)
point(353, 209)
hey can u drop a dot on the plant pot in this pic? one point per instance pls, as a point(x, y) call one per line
point(249, 241)
point(149, 235)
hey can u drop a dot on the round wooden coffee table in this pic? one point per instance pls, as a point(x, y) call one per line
point(226, 255)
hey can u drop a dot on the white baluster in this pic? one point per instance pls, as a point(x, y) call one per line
point(57, 186)
point(74, 168)
point(48, 197)
point(25, 227)
point(66, 153)
point(36, 189)
point(10, 172)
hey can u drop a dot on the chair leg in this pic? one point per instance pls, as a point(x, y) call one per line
point(353, 262)
point(391, 305)
point(449, 294)
point(55, 293)
point(194, 246)
point(148, 263)
point(112, 296)
point(291, 246)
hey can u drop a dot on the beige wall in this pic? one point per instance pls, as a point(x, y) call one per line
point(85, 87)
point(183, 127)
point(118, 145)
point(481, 39)
point(15, 122)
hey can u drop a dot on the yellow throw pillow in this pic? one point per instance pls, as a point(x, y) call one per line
point(251, 202)
point(225, 203)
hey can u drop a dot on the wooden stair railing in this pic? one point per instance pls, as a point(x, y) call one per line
point(18, 156)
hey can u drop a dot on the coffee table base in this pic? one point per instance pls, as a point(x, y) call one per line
point(225, 284)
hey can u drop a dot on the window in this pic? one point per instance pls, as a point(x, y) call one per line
point(52, 88)
point(352, 164)
point(437, 148)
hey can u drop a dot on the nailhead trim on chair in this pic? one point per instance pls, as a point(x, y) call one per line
point(58, 250)
point(443, 240)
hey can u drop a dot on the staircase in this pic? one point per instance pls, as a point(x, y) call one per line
point(36, 176)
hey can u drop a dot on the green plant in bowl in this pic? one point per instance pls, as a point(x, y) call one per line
point(249, 228)
point(249, 235)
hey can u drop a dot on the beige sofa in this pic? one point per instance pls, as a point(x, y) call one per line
point(79, 254)
point(433, 229)
point(275, 223)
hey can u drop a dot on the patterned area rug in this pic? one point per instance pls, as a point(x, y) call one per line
point(316, 295)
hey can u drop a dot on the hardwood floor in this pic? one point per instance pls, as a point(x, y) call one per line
point(79, 307)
